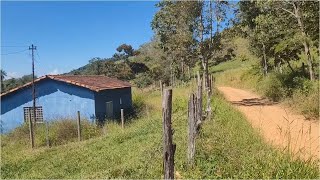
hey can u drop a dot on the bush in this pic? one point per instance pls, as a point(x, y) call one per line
point(138, 103)
point(142, 80)
point(277, 86)
point(306, 100)
point(272, 88)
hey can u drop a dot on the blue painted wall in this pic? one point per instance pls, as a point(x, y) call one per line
point(113, 95)
point(58, 100)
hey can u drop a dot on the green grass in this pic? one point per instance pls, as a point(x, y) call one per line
point(227, 147)
point(233, 64)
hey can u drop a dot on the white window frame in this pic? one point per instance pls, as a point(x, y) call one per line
point(29, 110)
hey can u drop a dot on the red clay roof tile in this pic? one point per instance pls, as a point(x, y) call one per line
point(92, 82)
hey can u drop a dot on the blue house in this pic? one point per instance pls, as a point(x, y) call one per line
point(60, 97)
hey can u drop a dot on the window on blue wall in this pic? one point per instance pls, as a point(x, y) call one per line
point(120, 101)
point(28, 113)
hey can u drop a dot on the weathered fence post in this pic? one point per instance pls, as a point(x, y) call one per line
point(31, 131)
point(191, 129)
point(161, 87)
point(210, 82)
point(47, 134)
point(79, 127)
point(168, 146)
point(122, 118)
point(199, 102)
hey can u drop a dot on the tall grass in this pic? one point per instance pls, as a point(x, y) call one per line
point(59, 132)
point(227, 147)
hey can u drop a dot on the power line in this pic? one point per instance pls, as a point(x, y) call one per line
point(38, 57)
point(17, 52)
point(13, 46)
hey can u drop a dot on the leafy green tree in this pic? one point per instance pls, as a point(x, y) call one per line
point(124, 52)
point(282, 29)
point(3, 75)
point(175, 25)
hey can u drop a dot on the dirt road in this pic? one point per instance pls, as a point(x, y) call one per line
point(277, 124)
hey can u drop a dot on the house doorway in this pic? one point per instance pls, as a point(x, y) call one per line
point(109, 110)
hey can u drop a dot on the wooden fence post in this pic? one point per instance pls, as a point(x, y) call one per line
point(31, 131)
point(199, 102)
point(191, 129)
point(79, 127)
point(122, 118)
point(168, 146)
point(161, 87)
point(209, 95)
point(210, 83)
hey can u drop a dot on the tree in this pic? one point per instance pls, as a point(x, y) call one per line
point(175, 24)
point(96, 66)
point(124, 52)
point(128, 50)
point(3, 75)
point(278, 26)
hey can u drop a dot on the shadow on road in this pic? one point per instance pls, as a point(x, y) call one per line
point(253, 102)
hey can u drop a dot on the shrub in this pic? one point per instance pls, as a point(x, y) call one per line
point(272, 88)
point(20, 135)
point(63, 131)
point(142, 80)
point(138, 103)
point(306, 100)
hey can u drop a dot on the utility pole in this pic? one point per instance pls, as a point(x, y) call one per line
point(32, 48)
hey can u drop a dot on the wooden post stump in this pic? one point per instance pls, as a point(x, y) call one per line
point(199, 102)
point(191, 129)
point(168, 146)
point(122, 118)
point(161, 88)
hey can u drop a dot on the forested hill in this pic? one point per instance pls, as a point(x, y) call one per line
point(280, 37)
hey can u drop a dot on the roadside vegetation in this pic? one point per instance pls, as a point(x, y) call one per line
point(291, 88)
point(228, 147)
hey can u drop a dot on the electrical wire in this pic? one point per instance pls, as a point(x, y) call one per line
point(17, 52)
point(14, 46)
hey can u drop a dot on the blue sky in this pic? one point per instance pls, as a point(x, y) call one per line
point(69, 34)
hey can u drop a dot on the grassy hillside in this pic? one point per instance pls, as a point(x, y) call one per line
point(227, 148)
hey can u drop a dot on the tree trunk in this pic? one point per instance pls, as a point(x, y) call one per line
point(305, 43)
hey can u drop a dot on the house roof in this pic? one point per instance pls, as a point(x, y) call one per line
point(92, 82)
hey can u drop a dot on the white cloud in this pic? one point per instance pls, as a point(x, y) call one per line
point(54, 72)
point(13, 75)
